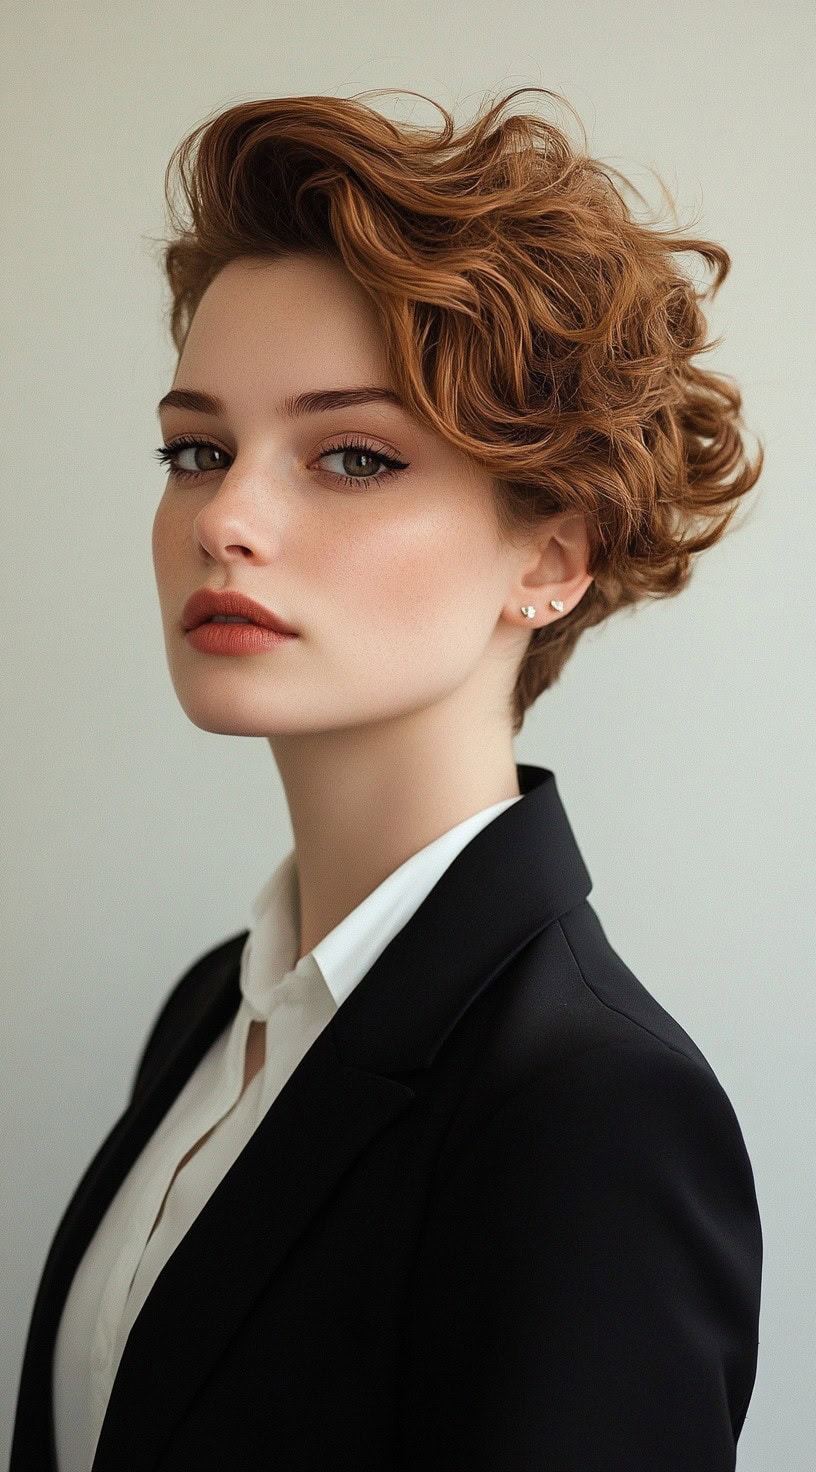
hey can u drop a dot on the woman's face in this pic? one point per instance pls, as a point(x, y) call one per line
point(396, 583)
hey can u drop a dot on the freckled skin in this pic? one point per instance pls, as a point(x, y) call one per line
point(389, 717)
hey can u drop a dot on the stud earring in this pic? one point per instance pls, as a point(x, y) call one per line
point(529, 611)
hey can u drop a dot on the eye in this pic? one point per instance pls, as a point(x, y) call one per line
point(350, 450)
point(168, 454)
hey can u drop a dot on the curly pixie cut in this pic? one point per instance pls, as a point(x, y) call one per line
point(528, 318)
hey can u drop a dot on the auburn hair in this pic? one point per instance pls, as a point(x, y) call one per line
point(529, 318)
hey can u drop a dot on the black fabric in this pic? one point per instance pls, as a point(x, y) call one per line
point(500, 1217)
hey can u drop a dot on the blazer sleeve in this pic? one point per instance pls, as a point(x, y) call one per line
point(587, 1288)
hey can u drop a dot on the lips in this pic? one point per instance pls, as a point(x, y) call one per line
point(206, 602)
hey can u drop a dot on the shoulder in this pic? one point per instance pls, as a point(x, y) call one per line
point(569, 992)
point(603, 1207)
point(572, 1046)
point(189, 998)
point(598, 1139)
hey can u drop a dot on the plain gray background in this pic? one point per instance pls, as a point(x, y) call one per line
point(681, 735)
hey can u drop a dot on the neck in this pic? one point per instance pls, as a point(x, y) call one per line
point(362, 802)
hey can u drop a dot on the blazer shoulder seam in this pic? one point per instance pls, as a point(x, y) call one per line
point(627, 1016)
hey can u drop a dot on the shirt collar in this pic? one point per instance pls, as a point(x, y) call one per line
point(342, 957)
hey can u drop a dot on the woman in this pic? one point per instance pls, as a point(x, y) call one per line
point(415, 1173)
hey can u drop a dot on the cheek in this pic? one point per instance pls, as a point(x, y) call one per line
point(398, 562)
point(165, 540)
point(417, 577)
point(158, 535)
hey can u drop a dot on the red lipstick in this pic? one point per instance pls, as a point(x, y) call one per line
point(264, 629)
point(235, 638)
point(208, 603)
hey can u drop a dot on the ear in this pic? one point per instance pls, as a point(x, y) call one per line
point(552, 565)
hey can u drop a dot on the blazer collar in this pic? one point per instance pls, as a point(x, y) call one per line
point(517, 874)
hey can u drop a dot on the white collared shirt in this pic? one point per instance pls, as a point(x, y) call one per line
point(296, 999)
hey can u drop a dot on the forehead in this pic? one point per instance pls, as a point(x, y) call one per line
point(303, 319)
point(302, 287)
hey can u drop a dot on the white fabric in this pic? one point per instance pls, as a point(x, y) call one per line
point(296, 999)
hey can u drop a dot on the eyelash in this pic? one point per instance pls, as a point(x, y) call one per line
point(166, 454)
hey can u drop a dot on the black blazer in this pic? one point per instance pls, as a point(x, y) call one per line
point(500, 1217)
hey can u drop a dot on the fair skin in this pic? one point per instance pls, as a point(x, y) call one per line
point(389, 716)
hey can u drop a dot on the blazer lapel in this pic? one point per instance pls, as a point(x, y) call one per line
point(517, 874)
point(321, 1120)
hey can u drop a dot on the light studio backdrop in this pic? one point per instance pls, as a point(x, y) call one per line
point(681, 734)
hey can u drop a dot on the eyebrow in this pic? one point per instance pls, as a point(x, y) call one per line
point(294, 405)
